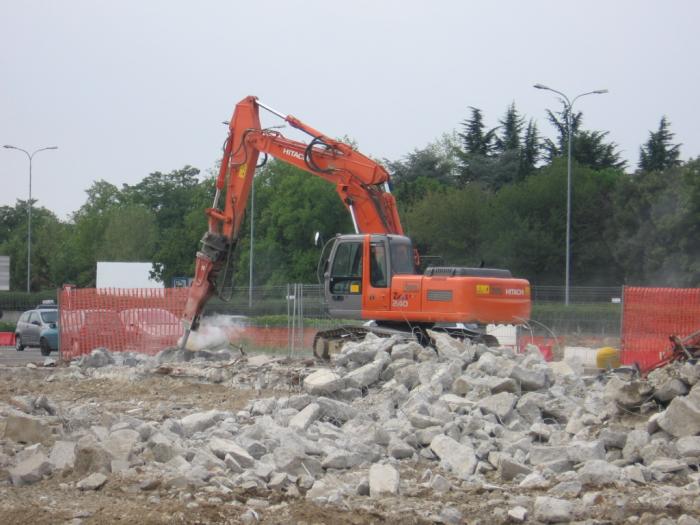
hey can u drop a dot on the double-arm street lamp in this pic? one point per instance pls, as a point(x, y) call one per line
point(30, 156)
point(568, 104)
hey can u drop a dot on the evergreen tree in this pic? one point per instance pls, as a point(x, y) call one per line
point(659, 153)
point(588, 147)
point(531, 148)
point(474, 139)
point(511, 128)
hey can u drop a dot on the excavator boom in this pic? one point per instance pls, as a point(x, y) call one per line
point(361, 183)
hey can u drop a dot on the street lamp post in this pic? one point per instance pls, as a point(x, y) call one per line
point(252, 236)
point(569, 107)
point(30, 156)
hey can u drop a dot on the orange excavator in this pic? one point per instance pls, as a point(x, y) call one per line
point(369, 275)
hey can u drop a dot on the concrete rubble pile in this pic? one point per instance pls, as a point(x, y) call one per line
point(463, 414)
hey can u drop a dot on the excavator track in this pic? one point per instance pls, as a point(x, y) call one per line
point(329, 342)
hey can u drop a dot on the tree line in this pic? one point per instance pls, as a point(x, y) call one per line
point(477, 196)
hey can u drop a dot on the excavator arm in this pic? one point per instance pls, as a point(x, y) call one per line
point(361, 183)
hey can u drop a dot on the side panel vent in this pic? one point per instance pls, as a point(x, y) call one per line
point(440, 295)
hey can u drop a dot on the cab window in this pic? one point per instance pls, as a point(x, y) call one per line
point(377, 270)
point(34, 317)
point(346, 273)
point(401, 258)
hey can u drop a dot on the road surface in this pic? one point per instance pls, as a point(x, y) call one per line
point(10, 356)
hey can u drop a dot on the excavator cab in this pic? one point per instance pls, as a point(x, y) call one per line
point(360, 268)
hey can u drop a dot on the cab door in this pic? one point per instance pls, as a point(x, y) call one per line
point(377, 295)
point(343, 279)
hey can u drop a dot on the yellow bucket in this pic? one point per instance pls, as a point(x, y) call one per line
point(607, 357)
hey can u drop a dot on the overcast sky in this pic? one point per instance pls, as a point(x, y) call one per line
point(128, 87)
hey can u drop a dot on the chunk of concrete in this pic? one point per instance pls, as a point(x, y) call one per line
point(612, 438)
point(25, 429)
point(543, 454)
point(323, 382)
point(681, 418)
point(63, 454)
point(440, 483)
point(121, 442)
point(670, 389)
point(163, 449)
point(528, 379)
point(383, 479)
point(399, 449)
point(688, 446)
point(598, 472)
point(365, 375)
point(501, 404)
point(517, 514)
point(552, 510)
point(466, 383)
point(335, 410)
point(221, 447)
point(636, 440)
point(627, 394)
point(460, 458)
point(566, 489)
point(98, 358)
point(580, 451)
point(408, 376)
point(450, 347)
point(91, 457)
point(509, 469)
point(200, 421)
point(93, 482)
point(30, 470)
point(303, 419)
point(405, 351)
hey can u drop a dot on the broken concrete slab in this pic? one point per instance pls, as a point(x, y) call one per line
point(459, 458)
point(303, 419)
point(26, 429)
point(222, 447)
point(200, 421)
point(63, 454)
point(323, 382)
point(598, 472)
point(91, 457)
point(681, 418)
point(501, 405)
point(364, 376)
point(688, 446)
point(669, 389)
point(93, 482)
point(120, 443)
point(383, 479)
point(636, 440)
point(30, 470)
point(335, 410)
point(529, 379)
point(405, 351)
point(98, 358)
point(552, 510)
point(627, 394)
point(509, 469)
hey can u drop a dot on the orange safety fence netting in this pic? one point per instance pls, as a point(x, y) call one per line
point(144, 320)
point(650, 316)
point(7, 338)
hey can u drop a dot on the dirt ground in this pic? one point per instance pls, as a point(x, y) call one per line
point(124, 500)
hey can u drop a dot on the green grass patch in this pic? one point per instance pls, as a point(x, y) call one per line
point(6, 326)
